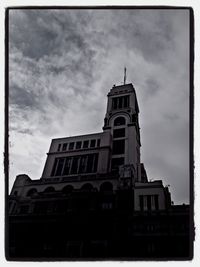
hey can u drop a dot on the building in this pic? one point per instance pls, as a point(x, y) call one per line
point(94, 199)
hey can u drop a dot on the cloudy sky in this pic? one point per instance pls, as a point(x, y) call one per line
point(64, 62)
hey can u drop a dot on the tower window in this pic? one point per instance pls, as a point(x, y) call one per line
point(119, 121)
point(71, 146)
point(120, 102)
point(78, 145)
point(119, 133)
point(118, 147)
point(93, 143)
point(59, 146)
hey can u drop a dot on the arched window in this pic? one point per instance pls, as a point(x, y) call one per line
point(119, 121)
point(67, 189)
point(49, 189)
point(31, 192)
point(106, 186)
point(87, 187)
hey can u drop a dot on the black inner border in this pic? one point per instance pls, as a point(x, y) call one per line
point(191, 127)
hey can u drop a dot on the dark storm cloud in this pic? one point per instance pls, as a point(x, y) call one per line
point(62, 64)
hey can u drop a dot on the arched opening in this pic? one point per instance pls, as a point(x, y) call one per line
point(87, 187)
point(119, 121)
point(106, 187)
point(49, 189)
point(67, 189)
point(31, 192)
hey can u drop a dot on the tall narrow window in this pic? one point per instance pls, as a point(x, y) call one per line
point(126, 101)
point(83, 164)
point(114, 103)
point(67, 166)
point(60, 166)
point(54, 167)
point(59, 146)
point(75, 163)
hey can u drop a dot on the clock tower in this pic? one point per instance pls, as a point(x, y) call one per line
point(121, 120)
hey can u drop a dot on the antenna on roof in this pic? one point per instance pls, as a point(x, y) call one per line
point(124, 75)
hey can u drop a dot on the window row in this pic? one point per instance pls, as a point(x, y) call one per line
point(75, 165)
point(120, 102)
point(79, 145)
point(149, 202)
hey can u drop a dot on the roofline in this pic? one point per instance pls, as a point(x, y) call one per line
point(74, 136)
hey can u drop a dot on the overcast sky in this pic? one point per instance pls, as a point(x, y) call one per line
point(64, 62)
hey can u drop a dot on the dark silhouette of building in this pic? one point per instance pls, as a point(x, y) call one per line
point(94, 200)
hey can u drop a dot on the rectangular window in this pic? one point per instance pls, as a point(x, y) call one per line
point(75, 163)
point(148, 202)
point(54, 167)
point(78, 144)
point(71, 146)
point(156, 202)
point(83, 164)
point(95, 162)
point(92, 163)
point(118, 147)
point(114, 103)
point(119, 133)
point(120, 102)
point(64, 148)
point(85, 144)
point(59, 146)
point(60, 166)
point(126, 101)
point(67, 166)
point(93, 143)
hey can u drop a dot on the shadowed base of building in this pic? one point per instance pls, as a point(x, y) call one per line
point(98, 225)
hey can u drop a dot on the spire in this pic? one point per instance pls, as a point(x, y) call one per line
point(124, 75)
